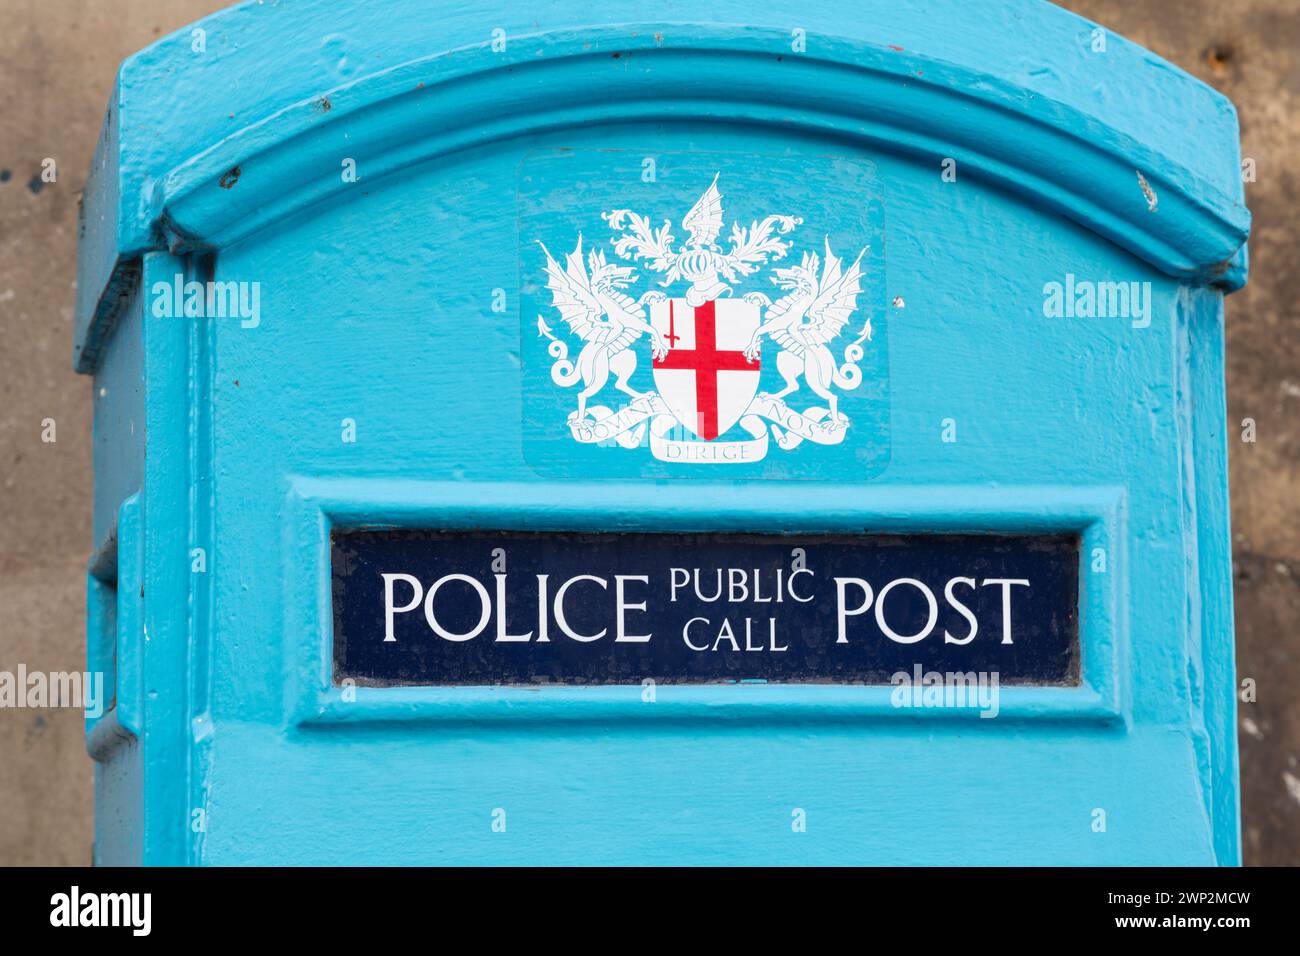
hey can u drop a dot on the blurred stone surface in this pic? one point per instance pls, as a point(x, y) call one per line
point(57, 61)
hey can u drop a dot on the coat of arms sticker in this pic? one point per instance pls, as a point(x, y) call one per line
point(752, 331)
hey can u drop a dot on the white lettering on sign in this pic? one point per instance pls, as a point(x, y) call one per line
point(854, 598)
point(864, 597)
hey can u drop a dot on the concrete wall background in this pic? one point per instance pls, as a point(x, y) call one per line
point(57, 61)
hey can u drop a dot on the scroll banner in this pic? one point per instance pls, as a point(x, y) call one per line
point(628, 427)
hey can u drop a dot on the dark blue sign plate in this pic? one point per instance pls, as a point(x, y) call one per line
point(497, 607)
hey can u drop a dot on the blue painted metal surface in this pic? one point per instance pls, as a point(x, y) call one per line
point(406, 303)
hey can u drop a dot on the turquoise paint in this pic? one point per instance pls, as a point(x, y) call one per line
point(377, 306)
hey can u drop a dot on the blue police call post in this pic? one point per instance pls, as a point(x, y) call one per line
point(742, 441)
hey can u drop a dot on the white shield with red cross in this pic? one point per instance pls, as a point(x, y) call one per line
point(705, 379)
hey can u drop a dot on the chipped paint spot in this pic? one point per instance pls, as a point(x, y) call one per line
point(230, 178)
point(1148, 192)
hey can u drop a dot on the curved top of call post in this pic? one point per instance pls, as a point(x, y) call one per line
point(201, 147)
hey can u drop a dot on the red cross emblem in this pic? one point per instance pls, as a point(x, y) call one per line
point(705, 379)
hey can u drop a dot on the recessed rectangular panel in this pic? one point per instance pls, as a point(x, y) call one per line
point(503, 607)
